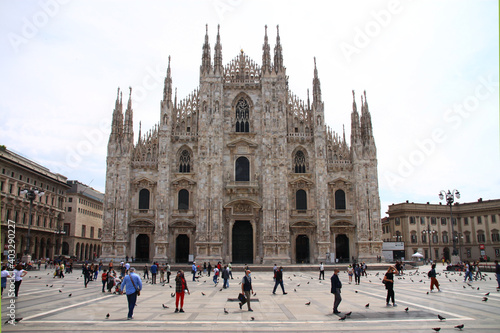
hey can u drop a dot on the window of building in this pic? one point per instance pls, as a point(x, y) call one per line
point(495, 237)
point(242, 168)
point(45, 222)
point(454, 221)
point(91, 232)
point(12, 174)
point(397, 221)
point(67, 228)
point(10, 188)
point(183, 202)
point(467, 237)
point(301, 200)
point(412, 219)
point(493, 219)
point(340, 199)
point(424, 238)
point(445, 237)
point(481, 237)
point(413, 237)
point(185, 162)
point(443, 221)
point(299, 162)
point(99, 233)
point(469, 253)
point(422, 220)
point(466, 221)
point(70, 209)
point(436, 253)
point(144, 199)
point(435, 238)
point(479, 220)
point(433, 220)
point(242, 116)
point(83, 231)
point(70, 199)
point(497, 252)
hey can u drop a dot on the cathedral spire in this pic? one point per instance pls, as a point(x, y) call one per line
point(218, 54)
point(316, 85)
point(117, 123)
point(139, 136)
point(366, 121)
point(129, 115)
point(266, 55)
point(308, 101)
point(205, 59)
point(167, 89)
point(278, 55)
point(355, 130)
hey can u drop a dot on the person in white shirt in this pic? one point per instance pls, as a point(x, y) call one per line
point(321, 271)
point(19, 273)
point(5, 275)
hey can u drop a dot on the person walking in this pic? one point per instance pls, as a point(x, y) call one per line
point(209, 268)
point(389, 285)
point(357, 274)
point(154, 271)
point(246, 288)
point(321, 271)
point(216, 275)
point(230, 268)
point(279, 280)
point(432, 275)
point(19, 273)
point(168, 272)
point(497, 273)
point(133, 285)
point(225, 277)
point(162, 274)
point(111, 279)
point(193, 271)
point(468, 272)
point(104, 278)
point(350, 272)
point(146, 272)
point(336, 286)
point(478, 271)
point(180, 288)
point(5, 275)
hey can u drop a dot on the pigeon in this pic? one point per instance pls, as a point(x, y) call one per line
point(477, 288)
point(252, 318)
point(170, 286)
point(460, 326)
point(485, 299)
point(225, 311)
point(298, 285)
point(70, 295)
point(295, 290)
point(407, 309)
point(46, 285)
point(307, 282)
point(441, 318)
point(487, 294)
point(60, 290)
point(164, 306)
point(172, 294)
point(348, 314)
point(107, 316)
point(356, 291)
point(437, 329)
point(427, 293)
point(254, 294)
point(203, 293)
point(51, 286)
point(343, 318)
point(308, 303)
point(367, 305)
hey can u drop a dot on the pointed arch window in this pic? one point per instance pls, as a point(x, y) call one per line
point(185, 162)
point(242, 169)
point(339, 199)
point(299, 162)
point(144, 199)
point(183, 202)
point(242, 116)
point(301, 200)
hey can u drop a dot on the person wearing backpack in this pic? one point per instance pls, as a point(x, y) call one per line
point(432, 276)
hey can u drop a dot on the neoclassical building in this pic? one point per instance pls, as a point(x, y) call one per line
point(242, 170)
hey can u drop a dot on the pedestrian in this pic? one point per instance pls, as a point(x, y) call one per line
point(357, 274)
point(478, 271)
point(133, 285)
point(96, 272)
point(180, 288)
point(216, 275)
point(111, 280)
point(86, 274)
point(246, 288)
point(146, 272)
point(154, 271)
point(162, 274)
point(336, 286)
point(225, 276)
point(205, 267)
point(497, 273)
point(275, 269)
point(468, 272)
point(432, 275)
point(193, 270)
point(279, 280)
point(19, 273)
point(389, 285)
point(104, 278)
point(127, 267)
point(209, 269)
point(230, 268)
point(122, 270)
point(363, 269)
point(321, 271)
point(168, 272)
point(5, 275)
point(61, 271)
point(350, 272)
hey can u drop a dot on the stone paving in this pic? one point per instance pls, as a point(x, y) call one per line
point(44, 308)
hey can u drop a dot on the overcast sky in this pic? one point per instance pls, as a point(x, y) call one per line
point(430, 69)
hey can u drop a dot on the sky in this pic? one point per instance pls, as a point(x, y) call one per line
point(429, 68)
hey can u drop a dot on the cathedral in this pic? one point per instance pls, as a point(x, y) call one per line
point(242, 170)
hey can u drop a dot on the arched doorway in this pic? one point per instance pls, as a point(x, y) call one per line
point(182, 248)
point(65, 248)
point(242, 251)
point(446, 254)
point(342, 248)
point(142, 248)
point(302, 249)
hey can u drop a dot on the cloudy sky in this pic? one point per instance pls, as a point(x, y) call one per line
point(430, 69)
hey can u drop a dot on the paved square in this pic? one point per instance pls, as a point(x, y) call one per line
point(44, 308)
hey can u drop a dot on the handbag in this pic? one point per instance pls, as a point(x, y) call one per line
point(242, 298)
point(137, 290)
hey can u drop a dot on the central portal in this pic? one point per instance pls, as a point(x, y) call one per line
point(142, 248)
point(242, 242)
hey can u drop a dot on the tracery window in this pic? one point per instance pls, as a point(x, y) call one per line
point(242, 116)
point(185, 162)
point(299, 162)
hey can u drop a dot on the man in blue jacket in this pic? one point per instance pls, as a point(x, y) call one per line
point(133, 285)
point(154, 271)
point(336, 286)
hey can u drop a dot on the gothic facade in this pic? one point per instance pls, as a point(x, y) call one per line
point(243, 171)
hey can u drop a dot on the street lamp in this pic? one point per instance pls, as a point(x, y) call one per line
point(450, 198)
point(31, 194)
point(429, 233)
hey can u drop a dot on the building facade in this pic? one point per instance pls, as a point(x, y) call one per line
point(83, 222)
point(426, 228)
point(242, 170)
point(47, 212)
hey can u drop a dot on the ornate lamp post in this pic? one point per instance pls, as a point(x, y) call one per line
point(450, 198)
point(31, 194)
point(429, 233)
